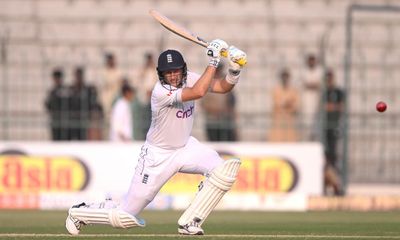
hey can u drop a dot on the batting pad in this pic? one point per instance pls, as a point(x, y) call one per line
point(114, 217)
point(219, 182)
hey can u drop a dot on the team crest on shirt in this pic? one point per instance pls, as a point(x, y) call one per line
point(145, 178)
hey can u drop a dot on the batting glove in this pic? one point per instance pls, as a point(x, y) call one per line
point(214, 50)
point(237, 59)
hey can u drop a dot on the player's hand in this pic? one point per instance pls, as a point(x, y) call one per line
point(216, 47)
point(237, 58)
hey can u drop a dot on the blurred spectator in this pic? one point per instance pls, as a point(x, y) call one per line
point(144, 84)
point(284, 111)
point(311, 80)
point(96, 122)
point(57, 105)
point(219, 110)
point(83, 102)
point(333, 99)
point(109, 87)
point(121, 116)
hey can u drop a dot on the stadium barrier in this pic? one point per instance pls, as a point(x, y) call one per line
point(56, 175)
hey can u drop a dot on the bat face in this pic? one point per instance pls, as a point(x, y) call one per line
point(177, 29)
point(183, 32)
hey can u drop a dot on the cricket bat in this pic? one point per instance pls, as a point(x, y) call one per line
point(183, 32)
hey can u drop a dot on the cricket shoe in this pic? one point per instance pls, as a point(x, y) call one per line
point(72, 224)
point(192, 228)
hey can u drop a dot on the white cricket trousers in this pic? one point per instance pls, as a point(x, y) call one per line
point(156, 166)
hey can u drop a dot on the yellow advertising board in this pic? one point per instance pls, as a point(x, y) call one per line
point(261, 175)
point(32, 174)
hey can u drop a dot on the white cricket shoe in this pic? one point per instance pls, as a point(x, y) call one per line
point(192, 228)
point(72, 224)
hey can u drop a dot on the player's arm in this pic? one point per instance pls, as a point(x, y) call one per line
point(202, 85)
point(226, 84)
point(200, 88)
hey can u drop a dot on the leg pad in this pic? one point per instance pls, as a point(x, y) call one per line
point(114, 217)
point(219, 182)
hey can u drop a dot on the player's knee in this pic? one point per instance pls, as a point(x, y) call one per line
point(225, 175)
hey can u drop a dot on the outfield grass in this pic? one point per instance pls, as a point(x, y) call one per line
point(220, 225)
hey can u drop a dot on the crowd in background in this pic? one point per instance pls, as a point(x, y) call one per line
point(75, 111)
point(119, 109)
point(319, 104)
point(86, 112)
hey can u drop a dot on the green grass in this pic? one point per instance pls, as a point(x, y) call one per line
point(220, 225)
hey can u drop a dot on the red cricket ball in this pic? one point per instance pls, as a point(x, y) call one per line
point(381, 106)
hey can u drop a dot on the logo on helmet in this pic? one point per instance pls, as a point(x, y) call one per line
point(169, 58)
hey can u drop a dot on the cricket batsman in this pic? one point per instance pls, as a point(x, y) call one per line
point(170, 149)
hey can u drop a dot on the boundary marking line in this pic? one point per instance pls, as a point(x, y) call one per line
point(241, 236)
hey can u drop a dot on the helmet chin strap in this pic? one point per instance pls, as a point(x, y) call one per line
point(164, 81)
point(168, 86)
point(183, 82)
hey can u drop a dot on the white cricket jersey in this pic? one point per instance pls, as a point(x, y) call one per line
point(172, 119)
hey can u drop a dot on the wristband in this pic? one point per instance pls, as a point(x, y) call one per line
point(214, 62)
point(233, 76)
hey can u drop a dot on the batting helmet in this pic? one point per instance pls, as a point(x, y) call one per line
point(171, 60)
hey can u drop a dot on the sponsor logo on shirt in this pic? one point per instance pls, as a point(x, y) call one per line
point(185, 113)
